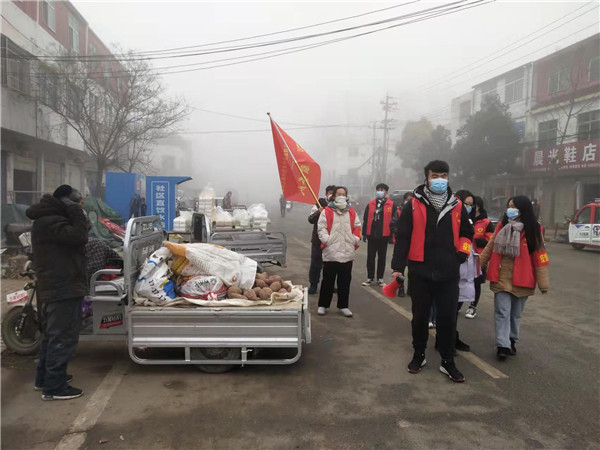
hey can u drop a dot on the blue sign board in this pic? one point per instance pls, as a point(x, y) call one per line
point(161, 192)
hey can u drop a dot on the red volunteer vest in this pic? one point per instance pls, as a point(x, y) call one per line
point(523, 272)
point(329, 215)
point(417, 240)
point(388, 210)
point(480, 233)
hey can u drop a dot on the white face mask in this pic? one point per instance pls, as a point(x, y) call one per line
point(340, 202)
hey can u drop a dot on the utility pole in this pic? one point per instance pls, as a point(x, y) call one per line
point(380, 155)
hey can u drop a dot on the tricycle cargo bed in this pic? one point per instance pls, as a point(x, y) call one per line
point(204, 327)
point(214, 338)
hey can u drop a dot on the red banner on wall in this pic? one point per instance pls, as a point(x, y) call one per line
point(578, 155)
point(293, 184)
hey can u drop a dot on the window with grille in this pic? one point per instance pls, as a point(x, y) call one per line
point(547, 133)
point(515, 82)
point(73, 35)
point(595, 68)
point(588, 125)
point(49, 14)
point(16, 72)
point(48, 87)
point(559, 80)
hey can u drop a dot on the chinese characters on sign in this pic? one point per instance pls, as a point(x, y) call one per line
point(160, 200)
point(571, 156)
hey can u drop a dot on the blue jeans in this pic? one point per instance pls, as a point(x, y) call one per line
point(61, 322)
point(507, 314)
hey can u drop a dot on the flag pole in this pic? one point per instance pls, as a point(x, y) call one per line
point(295, 162)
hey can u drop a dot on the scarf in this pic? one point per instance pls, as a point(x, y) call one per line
point(333, 206)
point(378, 209)
point(437, 200)
point(508, 239)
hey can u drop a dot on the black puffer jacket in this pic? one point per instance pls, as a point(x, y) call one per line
point(441, 260)
point(58, 237)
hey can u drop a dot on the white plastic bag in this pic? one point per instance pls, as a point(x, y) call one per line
point(234, 269)
point(153, 281)
point(203, 288)
point(222, 218)
point(241, 218)
point(259, 216)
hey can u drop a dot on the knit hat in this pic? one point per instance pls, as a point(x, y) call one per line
point(67, 191)
point(63, 191)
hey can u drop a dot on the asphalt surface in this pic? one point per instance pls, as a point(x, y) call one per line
point(350, 389)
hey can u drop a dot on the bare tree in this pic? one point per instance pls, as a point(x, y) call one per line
point(571, 97)
point(118, 113)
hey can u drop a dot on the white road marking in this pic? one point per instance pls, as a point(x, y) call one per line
point(94, 408)
point(469, 356)
point(300, 242)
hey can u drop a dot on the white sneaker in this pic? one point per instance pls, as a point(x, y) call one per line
point(346, 312)
point(431, 325)
point(321, 311)
point(369, 282)
point(471, 312)
point(380, 282)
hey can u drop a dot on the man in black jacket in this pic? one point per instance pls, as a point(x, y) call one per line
point(433, 237)
point(59, 235)
point(316, 256)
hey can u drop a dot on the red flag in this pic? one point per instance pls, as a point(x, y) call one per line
point(293, 183)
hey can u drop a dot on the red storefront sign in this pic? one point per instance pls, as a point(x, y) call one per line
point(572, 156)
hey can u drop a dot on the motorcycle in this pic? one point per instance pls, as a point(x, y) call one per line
point(21, 328)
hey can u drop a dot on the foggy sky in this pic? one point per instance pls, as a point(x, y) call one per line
point(338, 83)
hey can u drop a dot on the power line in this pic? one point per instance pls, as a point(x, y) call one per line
point(277, 32)
point(445, 77)
point(517, 59)
point(269, 130)
point(425, 12)
point(290, 50)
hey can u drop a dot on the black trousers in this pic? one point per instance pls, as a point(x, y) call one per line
point(316, 264)
point(478, 282)
point(343, 273)
point(444, 294)
point(61, 322)
point(376, 246)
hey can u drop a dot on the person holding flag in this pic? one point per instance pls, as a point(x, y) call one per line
point(339, 232)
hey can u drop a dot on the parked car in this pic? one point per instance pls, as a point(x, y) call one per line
point(584, 228)
point(397, 196)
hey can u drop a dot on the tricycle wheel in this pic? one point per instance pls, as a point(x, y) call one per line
point(28, 343)
point(578, 246)
point(212, 353)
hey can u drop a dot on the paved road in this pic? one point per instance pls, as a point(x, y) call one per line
point(350, 389)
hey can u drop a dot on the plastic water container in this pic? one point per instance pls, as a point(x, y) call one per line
point(179, 224)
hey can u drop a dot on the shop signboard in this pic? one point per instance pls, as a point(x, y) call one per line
point(573, 156)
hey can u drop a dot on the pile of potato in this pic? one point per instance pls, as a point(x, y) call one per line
point(264, 286)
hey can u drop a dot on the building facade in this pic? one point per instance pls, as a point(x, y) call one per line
point(555, 103)
point(39, 150)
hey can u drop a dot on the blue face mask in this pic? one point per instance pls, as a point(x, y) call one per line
point(380, 194)
point(438, 185)
point(469, 208)
point(512, 213)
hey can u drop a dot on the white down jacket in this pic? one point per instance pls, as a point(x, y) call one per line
point(469, 270)
point(340, 244)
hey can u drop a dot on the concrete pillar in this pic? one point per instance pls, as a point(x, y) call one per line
point(10, 186)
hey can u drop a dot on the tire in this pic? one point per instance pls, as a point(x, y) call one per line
point(27, 344)
point(578, 246)
point(212, 353)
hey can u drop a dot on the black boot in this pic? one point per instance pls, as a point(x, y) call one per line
point(401, 291)
point(502, 353)
point(513, 348)
point(460, 345)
